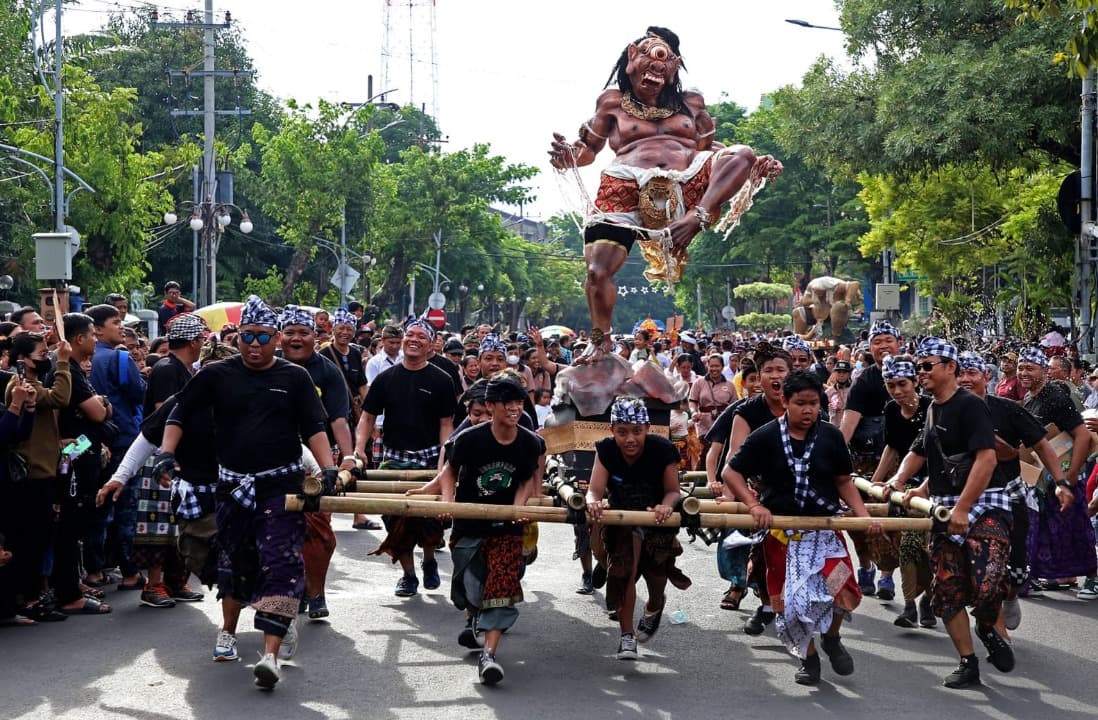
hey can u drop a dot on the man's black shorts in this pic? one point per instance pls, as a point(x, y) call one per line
point(607, 233)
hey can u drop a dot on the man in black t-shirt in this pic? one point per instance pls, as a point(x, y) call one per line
point(1062, 542)
point(803, 468)
point(185, 339)
point(348, 358)
point(1014, 427)
point(263, 409)
point(863, 428)
point(969, 561)
point(494, 463)
point(418, 402)
point(636, 470)
point(298, 332)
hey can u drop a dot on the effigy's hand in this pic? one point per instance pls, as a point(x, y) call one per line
point(563, 153)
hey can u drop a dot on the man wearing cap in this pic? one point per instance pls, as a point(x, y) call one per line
point(1009, 385)
point(495, 463)
point(1061, 543)
point(969, 559)
point(418, 401)
point(863, 428)
point(636, 470)
point(264, 407)
point(688, 343)
point(298, 345)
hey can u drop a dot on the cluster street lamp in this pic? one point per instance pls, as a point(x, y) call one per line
point(209, 220)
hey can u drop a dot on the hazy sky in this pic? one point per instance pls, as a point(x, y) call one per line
point(510, 73)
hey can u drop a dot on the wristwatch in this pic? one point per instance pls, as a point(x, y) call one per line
point(1064, 483)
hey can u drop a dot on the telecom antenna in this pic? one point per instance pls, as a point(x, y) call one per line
point(408, 57)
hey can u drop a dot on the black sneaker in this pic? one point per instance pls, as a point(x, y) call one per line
point(756, 624)
point(648, 625)
point(926, 613)
point(598, 577)
point(431, 580)
point(809, 673)
point(407, 586)
point(1001, 654)
point(841, 661)
point(489, 671)
point(966, 674)
point(183, 593)
point(469, 637)
point(909, 618)
point(587, 586)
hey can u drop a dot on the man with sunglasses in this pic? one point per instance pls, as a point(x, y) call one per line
point(264, 407)
point(969, 559)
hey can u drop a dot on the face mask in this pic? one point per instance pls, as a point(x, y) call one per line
point(859, 365)
point(512, 359)
point(42, 367)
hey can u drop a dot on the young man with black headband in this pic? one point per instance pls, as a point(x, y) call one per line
point(496, 463)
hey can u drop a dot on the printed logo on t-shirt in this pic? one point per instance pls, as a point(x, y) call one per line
point(495, 477)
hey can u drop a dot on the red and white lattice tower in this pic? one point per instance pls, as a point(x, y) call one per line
point(408, 60)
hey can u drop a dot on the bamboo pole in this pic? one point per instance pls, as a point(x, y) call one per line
point(572, 498)
point(938, 512)
point(399, 475)
point(639, 518)
point(386, 486)
point(531, 502)
point(739, 508)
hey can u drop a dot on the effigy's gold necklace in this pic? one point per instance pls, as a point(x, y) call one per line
point(640, 111)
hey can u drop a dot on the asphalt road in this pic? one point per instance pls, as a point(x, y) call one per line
point(386, 657)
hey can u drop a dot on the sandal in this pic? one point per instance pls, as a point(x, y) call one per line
point(138, 584)
point(91, 606)
point(92, 592)
point(732, 598)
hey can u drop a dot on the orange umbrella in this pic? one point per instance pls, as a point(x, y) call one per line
point(220, 314)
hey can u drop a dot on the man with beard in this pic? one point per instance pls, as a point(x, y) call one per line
point(298, 343)
point(1061, 543)
point(668, 179)
point(264, 407)
point(863, 428)
point(418, 401)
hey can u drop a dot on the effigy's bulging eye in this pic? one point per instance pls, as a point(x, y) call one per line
point(659, 52)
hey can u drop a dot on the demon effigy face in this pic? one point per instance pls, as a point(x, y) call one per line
point(651, 66)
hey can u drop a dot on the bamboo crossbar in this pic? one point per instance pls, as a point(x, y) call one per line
point(640, 518)
point(938, 512)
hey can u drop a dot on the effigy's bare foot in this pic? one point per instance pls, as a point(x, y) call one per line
point(597, 349)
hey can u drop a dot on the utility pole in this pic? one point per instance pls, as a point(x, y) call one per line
point(1084, 248)
point(59, 134)
point(206, 197)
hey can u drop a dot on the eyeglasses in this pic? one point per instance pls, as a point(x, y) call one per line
point(928, 366)
point(261, 338)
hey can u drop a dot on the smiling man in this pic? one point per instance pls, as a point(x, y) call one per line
point(418, 401)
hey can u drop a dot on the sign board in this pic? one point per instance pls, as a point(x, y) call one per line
point(728, 312)
point(437, 318)
point(907, 276)
point(436, 301)
point(345, 278)
point(887, 296)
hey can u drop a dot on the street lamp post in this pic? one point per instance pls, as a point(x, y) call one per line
point(211, 220)
point(806, 24)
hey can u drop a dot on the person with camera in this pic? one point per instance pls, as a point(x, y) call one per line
point(31, 497)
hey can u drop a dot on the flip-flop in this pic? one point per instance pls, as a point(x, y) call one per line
point(91, 606)
point(92, 591)
point(368, 525)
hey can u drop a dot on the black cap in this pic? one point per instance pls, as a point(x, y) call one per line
point(453, 346)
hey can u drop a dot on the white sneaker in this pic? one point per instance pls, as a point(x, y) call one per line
point(627, 647)
point(225, 648)
point(1089, 591)
point(288, 647)
point(266, 672)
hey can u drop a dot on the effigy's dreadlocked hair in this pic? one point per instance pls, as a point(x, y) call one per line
point(671, 96)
